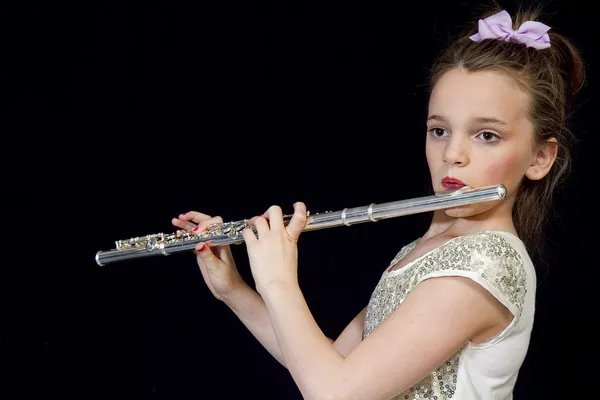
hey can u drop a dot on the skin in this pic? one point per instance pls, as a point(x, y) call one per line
point(441, 314)
point(462, 145)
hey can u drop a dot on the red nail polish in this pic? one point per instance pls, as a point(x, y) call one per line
point(201, 247)
point(195, 229)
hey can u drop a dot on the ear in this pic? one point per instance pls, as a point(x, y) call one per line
point(542, 160)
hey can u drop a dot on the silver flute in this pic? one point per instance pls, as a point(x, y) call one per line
point(231, 232)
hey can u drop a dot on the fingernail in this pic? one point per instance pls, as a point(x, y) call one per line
point(195, 229)
point(201, 247)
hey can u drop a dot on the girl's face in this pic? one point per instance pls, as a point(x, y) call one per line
point(478, 132)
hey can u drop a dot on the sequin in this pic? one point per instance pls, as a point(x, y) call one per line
point(487, 254)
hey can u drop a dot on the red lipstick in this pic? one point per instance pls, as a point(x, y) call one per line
point(450, 183)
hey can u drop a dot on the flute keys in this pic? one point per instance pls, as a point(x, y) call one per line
point(151, 244)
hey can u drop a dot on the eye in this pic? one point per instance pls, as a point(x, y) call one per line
point(437, 132)
point(489, 137)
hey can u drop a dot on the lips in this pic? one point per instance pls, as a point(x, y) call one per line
point(452, 183)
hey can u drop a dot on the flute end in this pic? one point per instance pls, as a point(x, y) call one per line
point(98, 259)
point(502, 191)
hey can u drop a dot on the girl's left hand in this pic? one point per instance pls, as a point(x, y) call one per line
point(273, 255)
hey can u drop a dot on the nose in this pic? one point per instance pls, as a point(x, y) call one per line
point(456, 152)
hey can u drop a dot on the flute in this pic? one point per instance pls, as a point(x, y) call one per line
point(231, 232)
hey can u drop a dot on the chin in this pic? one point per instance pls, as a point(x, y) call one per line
point(469, 210)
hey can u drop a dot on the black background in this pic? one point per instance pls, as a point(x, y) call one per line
point(119, 115)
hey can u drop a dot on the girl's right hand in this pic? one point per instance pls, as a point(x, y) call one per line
point(216, 263)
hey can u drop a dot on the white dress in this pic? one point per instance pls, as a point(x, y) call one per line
point(499, 262)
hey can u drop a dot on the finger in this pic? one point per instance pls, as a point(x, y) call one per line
point(206, 223)
point(185, 225)
point(186, 220)
point(298, 221)
point(189, 226)
point(262, 226)
point(194, 216)
point(249, 236)
point(205, 254)
point(275, 218)
point(252, 220)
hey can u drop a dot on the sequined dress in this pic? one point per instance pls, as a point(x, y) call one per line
point(499, 262)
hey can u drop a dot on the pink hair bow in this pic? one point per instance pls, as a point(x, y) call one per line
point(499, 26)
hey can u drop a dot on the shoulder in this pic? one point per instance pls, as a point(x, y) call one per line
point(483, 249)
point(404, 250)
point(493, 259)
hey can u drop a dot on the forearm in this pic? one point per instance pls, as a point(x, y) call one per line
point(250, 308)
point(311, 359)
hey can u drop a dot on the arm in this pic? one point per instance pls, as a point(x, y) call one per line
point(225, 283)
point(436, 319)
point(441, 314)
point(251, 310)
point(351, 336)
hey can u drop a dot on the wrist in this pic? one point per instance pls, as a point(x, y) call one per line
point(238, 295)
point(277, 288)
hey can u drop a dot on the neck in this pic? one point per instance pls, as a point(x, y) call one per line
point(498, 218)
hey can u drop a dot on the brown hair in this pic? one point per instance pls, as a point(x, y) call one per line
point(552, 77)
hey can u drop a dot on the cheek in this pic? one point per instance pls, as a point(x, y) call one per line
point(507, 171)
point(496, 173)
point(431, 153)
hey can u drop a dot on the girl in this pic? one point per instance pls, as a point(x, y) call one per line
point(452, 314)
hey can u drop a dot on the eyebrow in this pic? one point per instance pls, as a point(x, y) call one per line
point(479, 120)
